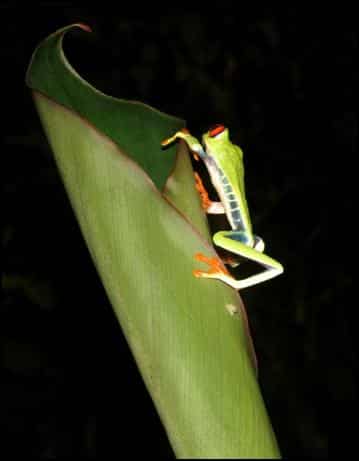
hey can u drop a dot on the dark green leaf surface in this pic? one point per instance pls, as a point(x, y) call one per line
point(127, 123)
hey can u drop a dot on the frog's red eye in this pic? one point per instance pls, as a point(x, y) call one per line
point(215, 130)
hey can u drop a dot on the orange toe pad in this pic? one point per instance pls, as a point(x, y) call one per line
point(215, 264)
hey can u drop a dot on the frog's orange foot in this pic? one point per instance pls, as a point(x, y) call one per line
point(205, 200)
point(215, 267)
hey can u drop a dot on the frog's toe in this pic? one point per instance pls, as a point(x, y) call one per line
point(215, 266)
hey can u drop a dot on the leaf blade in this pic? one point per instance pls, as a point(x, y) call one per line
point(127, 123)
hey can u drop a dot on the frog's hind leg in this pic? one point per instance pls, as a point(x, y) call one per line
point(217, 269)
point(237, 242)
point(258, 244)
point(234, 261)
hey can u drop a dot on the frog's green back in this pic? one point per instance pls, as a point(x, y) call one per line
point(229, 158)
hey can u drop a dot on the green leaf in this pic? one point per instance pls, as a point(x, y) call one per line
point(127, 123)
point(189, 336)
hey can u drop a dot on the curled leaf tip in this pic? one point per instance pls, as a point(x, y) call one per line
point(84, 26)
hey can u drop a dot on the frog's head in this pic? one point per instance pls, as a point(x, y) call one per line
point(215, 138)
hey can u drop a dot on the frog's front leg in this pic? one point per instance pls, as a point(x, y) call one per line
point(208, 205)
point(193, 143)
point(231, 241)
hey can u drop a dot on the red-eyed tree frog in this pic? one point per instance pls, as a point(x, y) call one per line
point(224, 162)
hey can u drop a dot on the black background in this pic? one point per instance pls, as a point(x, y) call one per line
point(282, 80)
